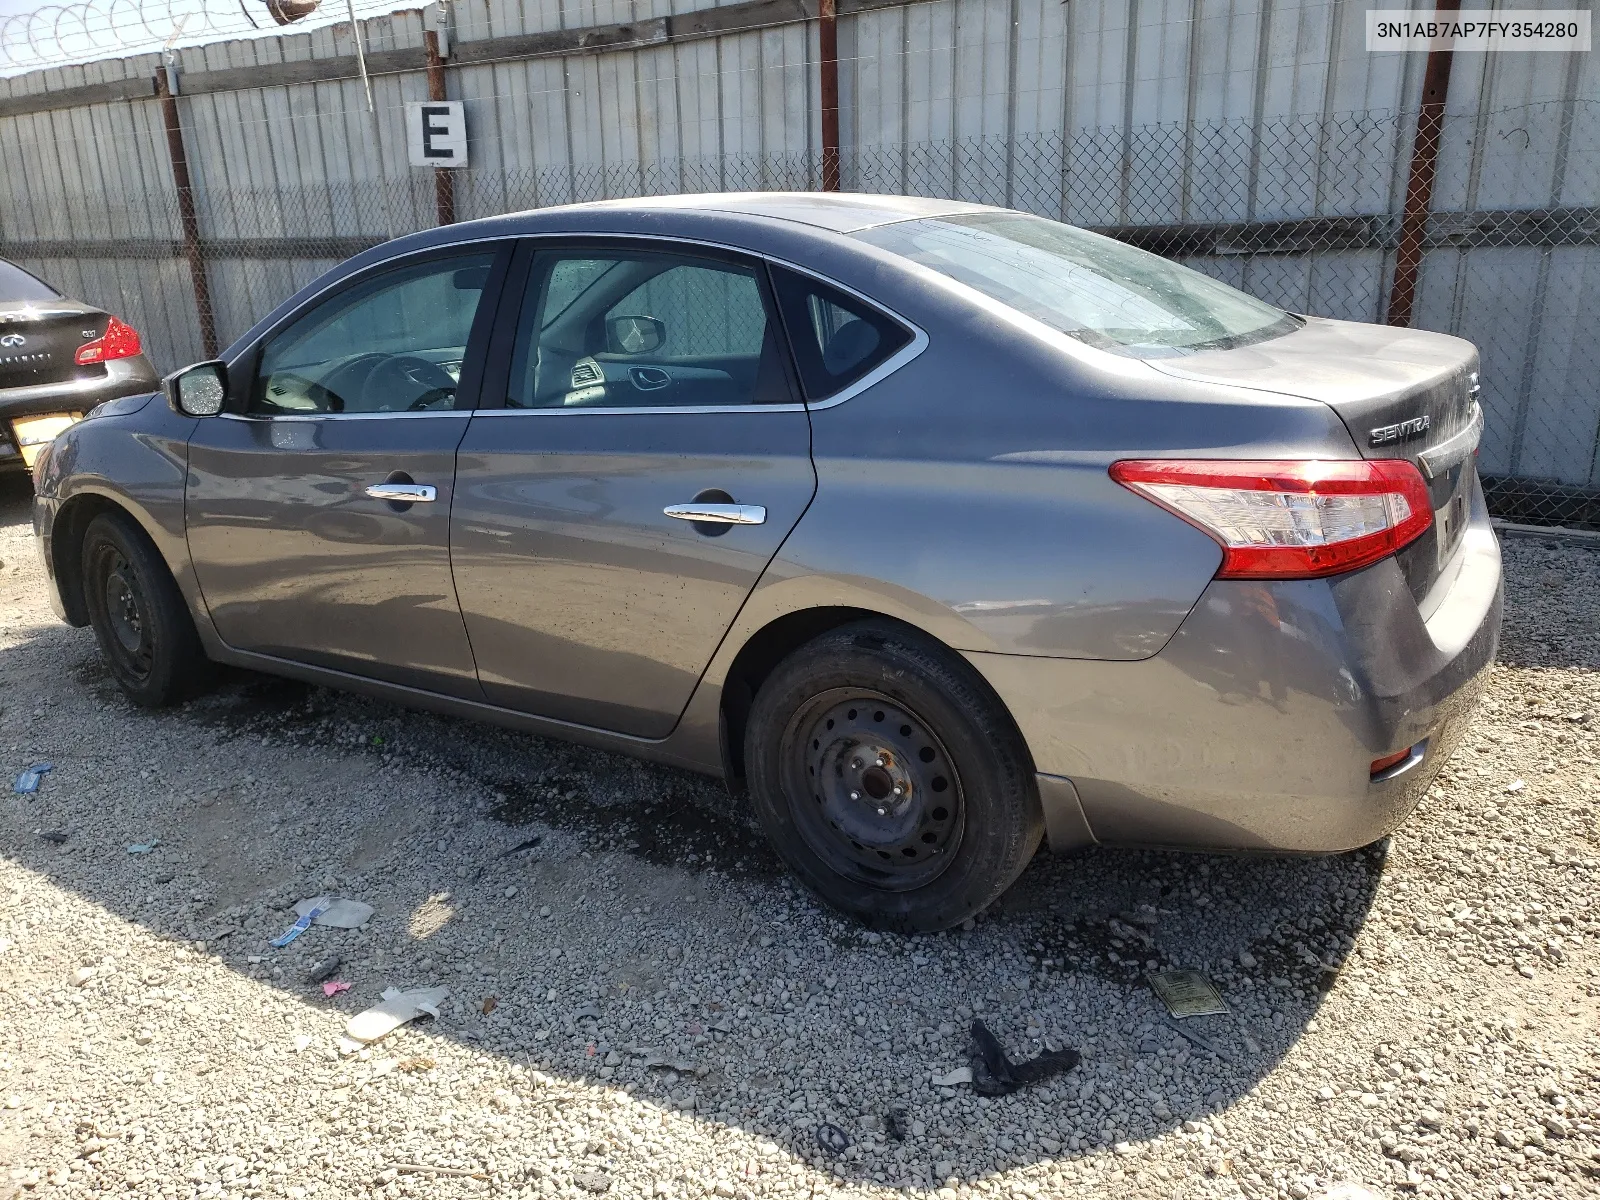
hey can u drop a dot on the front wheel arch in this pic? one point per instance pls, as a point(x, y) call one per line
point(66, 549)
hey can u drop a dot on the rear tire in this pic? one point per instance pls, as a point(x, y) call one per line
point(147, 637)
point(890, 778)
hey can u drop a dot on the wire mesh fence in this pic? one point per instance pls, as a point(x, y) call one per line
point(1307, 214)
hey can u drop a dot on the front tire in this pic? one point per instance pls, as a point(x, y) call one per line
point(890, 779)
point(146, 635)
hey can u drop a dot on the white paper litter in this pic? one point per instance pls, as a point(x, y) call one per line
point(340, 914)
point(959, 1075)
point(395, 1009)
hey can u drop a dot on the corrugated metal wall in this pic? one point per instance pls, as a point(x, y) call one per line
point(1123, 114)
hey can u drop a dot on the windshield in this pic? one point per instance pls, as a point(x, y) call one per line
point(1094, 288)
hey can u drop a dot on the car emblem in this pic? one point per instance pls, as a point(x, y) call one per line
point(1403, 431)
point(13, 339)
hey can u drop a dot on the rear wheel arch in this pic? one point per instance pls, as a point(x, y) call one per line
point(782, 636)
point(760, 654)
point(948, 739)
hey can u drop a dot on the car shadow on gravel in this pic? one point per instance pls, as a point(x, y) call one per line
point(649, 937)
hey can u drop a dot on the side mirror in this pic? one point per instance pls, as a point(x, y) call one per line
point(635, 335)
point(198, 391)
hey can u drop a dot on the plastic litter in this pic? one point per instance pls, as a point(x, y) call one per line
point(1203, 1042)
point(28, 781)
point(490, 1003)
point(335, 913)
point(144, 847)
point(295, 930)
point(521, 846)
point(56, 836)
point(832, 1139)
point(333, 987)
point(1187, 994)
point(425, 1169)
point(998, 1075)
point(660, 1062)
point(325, 969)
point(959, 1076)
point(395, 1009)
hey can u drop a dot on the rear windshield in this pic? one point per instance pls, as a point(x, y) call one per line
point(17, 284)
point(1098, 290)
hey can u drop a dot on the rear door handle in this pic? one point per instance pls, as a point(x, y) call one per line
point(718, 514)
point(404, 493)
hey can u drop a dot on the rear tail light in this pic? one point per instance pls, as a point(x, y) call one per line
point(1290, 520)
point(120, 340)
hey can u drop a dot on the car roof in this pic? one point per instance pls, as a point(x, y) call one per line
point(838, 212)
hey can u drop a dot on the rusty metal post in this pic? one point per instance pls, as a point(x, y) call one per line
point(1419, 187)
point(828, 45)
point(186, 215)
point(444, 183)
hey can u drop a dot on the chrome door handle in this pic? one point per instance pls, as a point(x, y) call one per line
point(718, 514)
point(404, 493)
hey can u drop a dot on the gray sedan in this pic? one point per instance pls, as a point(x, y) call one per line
point(940, 530)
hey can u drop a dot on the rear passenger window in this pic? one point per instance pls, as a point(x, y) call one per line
point(837, 339)
point(645, 329)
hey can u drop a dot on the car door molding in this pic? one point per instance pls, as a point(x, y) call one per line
point(279, 418)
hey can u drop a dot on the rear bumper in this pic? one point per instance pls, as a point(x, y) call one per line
point(123, 377)
point(1256, 726)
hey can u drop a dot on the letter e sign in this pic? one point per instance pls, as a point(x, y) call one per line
point(436, 133)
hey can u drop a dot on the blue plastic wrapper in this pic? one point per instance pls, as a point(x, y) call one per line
point(299, 927)
point(28, 781)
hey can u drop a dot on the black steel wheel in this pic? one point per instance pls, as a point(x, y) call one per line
point(126, 607)
point(888, 805)
point(890, 778)
point(140, 620)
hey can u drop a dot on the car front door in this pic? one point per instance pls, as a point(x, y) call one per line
point(319, 509)
point(640, 454)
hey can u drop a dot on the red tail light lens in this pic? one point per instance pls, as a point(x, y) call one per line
point(1290, 520)
point(120, 340)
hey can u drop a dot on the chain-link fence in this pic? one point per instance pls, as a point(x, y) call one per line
point(1306, 214)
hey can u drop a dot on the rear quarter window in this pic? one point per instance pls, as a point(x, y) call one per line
point(837, 339)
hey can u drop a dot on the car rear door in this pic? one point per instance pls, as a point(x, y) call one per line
point(640, 385)
point(319, 511)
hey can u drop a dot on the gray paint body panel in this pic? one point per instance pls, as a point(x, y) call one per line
point(302, 564)
point(965, 494)
point(583, 600)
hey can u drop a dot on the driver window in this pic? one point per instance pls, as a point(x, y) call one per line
point(645, 330)
point(391, 344)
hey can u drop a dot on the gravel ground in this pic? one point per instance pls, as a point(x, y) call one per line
point(643, 1005)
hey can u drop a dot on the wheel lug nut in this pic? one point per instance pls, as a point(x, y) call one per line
point(856, 765)
point(880, 760)
point(883, 812)
point(898, 790)
point(855, 795)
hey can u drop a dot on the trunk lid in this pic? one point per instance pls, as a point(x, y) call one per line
point(39, 339)
point(1401, 393)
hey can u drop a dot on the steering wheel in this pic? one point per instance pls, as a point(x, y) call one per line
point(406, 374)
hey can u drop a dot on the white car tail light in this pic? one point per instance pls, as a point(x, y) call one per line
point(1289, 519)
